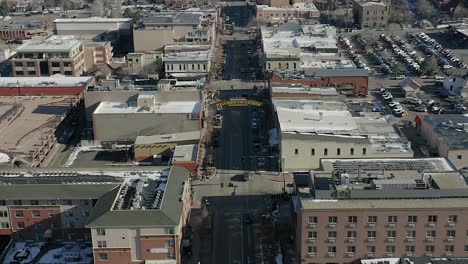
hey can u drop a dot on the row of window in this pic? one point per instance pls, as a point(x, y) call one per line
point(280, 66)
point(49, 202)
point(388, 249)
point(104, 256)
point(338, 151)
point(184, 67)
point(390, 234)
point(390, 219)
point(34, 213)
point(37, 225)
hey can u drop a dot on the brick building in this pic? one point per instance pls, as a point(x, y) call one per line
point(21, 31)
point(44, 86)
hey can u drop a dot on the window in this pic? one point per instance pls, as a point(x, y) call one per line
point(36, 213)
point(392, 219)
point(331, 249)
point(52, 213)
point(55, 64)
point(371, 234)
point(409, 249)
point(352, 219)
point(459, 157)
point(452, 218)
point(2, 202)
point(4, 225)
point(312, 220)
point(37, 225)
point(432, 218)
point(351, 249)
point(390, 249)
point(69, 202)
point(287, 64)
point(19, 73)
point(169, 231)
point(31, 73)
point(465, 248)
point(351, 151)
point(431, 233)
point(34, 202)
point(69, 213)
point(325, 152)
point(449, 248)
point(296, 151)
point(3, 214)
point(429, 248)
point(294, 65)
point(332, 219)
point(169, 243)
point(450, 233)
point(338, 151)
point(279, 65)
point(312, 249)
point(311, 234)
point(269, 66)
point(411, 234)
point(372, 219)
point(351, 234)
point(102, 244)
point(312, 152)
point(364, 151)
point(20, 225)
point(371, 249)
point(391, 234)
point(19, 214)
point(103, 256)
point(332, 234)
point(100, 231)
point(17, 202)
point(412, 219)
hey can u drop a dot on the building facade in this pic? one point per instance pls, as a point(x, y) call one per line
point(97, 53)
point(93, 26)
point(44, 86)
point(49, 57)
point(22, 31)
point(370, 14)
point(137, 61)
point(300, 10)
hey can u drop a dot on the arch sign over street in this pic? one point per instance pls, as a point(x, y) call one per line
point(238, 102)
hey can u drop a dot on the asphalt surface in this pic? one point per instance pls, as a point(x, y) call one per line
point(241, 60)
point(240, 15)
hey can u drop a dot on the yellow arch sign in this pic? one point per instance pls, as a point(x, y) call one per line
point(239, 102)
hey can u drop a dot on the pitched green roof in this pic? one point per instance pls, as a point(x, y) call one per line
point(53, 191)
point(168, 215)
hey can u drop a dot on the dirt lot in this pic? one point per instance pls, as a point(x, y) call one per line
point(35, 118)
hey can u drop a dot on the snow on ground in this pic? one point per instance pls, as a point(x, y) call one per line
point(70, 253)
point(21, 249)
point(4, 158)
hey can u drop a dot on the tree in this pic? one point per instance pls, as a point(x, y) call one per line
point(429, 66)
point(98, 8)
point(425, 9)
point(117, 10)
point(5, 8)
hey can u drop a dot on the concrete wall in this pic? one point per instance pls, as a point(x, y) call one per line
point(126, 127)
point(381, 227)
point(152, 39)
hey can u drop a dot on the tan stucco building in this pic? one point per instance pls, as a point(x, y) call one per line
point(370, 14)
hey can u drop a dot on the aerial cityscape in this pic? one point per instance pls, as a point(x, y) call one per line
point(234, 131)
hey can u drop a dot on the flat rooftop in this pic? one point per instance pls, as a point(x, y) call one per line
point(452, 129)
point(371, 3)
point(51, 81)
point(167, 138)
point(55, 44)
point(388, 164)
point(174, 18)
point(25, 26)
point(323, 91)
point(183, 153)
point(172, 107)
point(188, 56)
point(93, 19)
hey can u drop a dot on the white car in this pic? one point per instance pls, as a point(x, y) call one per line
point(414, 101)
point(387, 96)
point(397, 108)
point(393, 103)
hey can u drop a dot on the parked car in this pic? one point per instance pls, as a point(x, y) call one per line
point(420, 108)
point(414, 101)
point(393, 103)
point(429, 102)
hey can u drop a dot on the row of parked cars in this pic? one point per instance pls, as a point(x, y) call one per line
point(429, 46)
point(357, 59)
point(403, 52)
point(394, 106)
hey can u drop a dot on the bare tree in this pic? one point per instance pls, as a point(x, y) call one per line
point(117, 10)
point(425, 9)
point(98, 8)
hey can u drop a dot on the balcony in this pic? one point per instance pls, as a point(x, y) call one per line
point(391, 225)
point(389, 254)
point(431, 224)
point(429, 254)
point(409, 239)
point(350, 254)
point(312, 225)
point(351, 239)
point(332, 225)
point(311, 254)
point(312, 240)
point(429, 239)
point(331, 240)
point(371, 225)
point(370, 254)
point(390, 239)
point(450, 239)
point(411, 224)
point(351, 225)
point(448, 253)
point(371, 239)
point(331, 254)
point(451, 224)
point(409, 254)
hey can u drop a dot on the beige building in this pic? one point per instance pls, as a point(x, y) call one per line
point(137, 61)
point(187, 65)
point(187, 27)
point(370, 14)
point(50, 56)
point(283, 13)
point(447, 135)
point(311, 130)
point(381, 208)
point(152, 113)
point(97, 53)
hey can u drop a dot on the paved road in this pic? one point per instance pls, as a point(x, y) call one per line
point(240, 15)
point(241, 60)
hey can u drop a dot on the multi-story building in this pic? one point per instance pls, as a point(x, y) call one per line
point(311, 130)
point(282, 14)
point(21, 31)
point(137, 61)
point(456, 83)
point(309, 55)
point(370, 14)
point(185, 27)
point(93, 26)
point(447, 135)
point(357, 209)
point(152, 113)
point(97, 53)
point(48, 57)
point(142, 221)
point(187, 65)
point(136, 220)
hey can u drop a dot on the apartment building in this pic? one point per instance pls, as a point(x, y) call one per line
point(358, 209)
point(311, 130)
point(184, 27)
point(370, 14)
point(97, 53)
point(277, 14)
point(152, 113)
point(447, 136)
point(142, 221)
point(50, 56)
point(49, 210)
point(309, 55)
